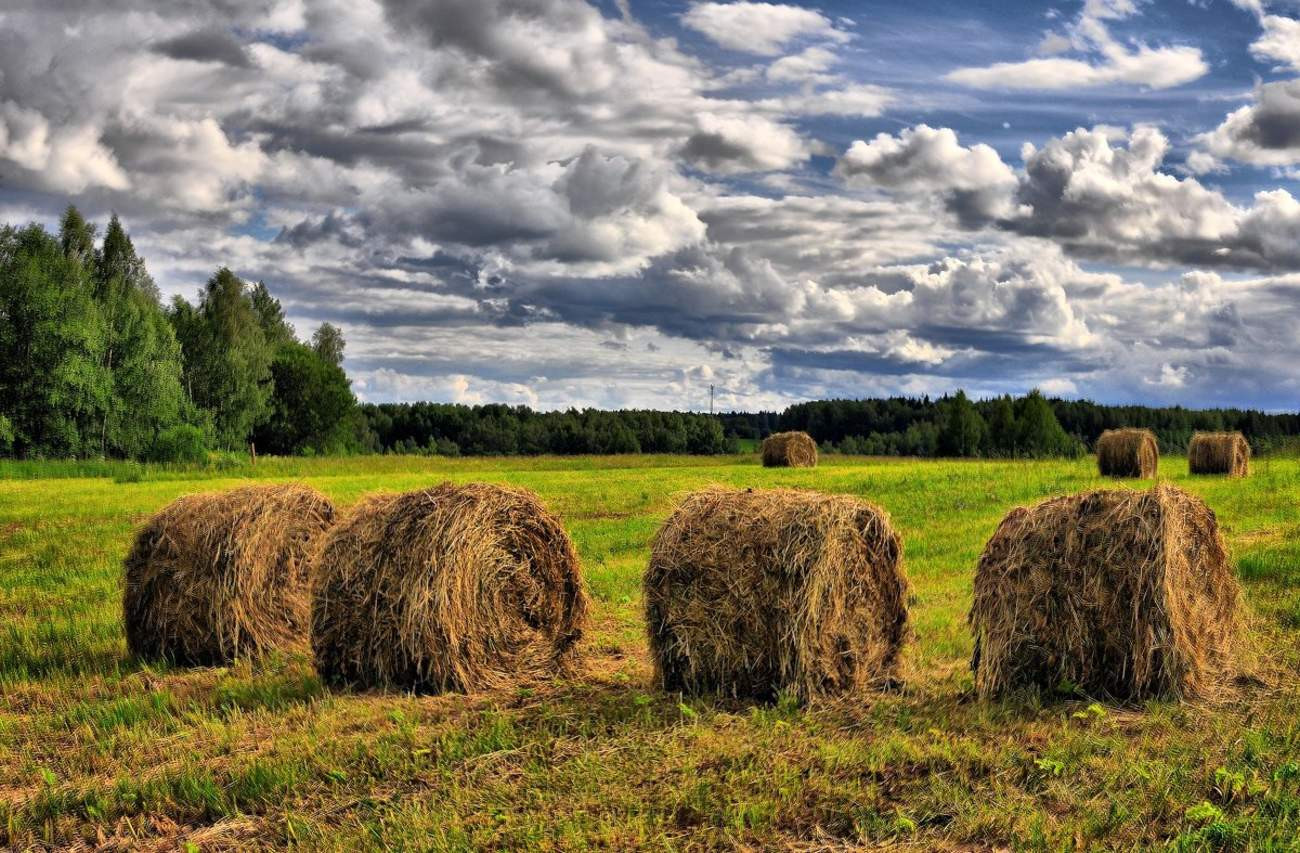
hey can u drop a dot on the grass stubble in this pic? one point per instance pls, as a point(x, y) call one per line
point(98, 747)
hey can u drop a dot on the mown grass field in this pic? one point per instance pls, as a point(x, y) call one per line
point(100, 749)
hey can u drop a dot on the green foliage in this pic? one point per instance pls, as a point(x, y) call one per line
point(76, 237)
point(312, 407)
point(328, 343)
point(270, 316)
point(962, 432)
point(496, 430)
point(52, 341)
point(227, 357)
point(6, 434)
point(180, 443)
point(1038, 433)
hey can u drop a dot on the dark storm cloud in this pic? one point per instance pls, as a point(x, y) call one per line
point(206, 45)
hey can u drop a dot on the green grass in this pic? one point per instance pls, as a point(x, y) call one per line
point(98, 748)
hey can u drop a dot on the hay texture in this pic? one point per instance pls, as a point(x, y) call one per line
point(749, 593)
point(1122, 594)
point(454, 588)
point(213, 577)
point(1219, 453)
point(1128, 453)
point(789, 450)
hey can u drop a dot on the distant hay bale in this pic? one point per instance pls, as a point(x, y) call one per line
point(749, 593)
point(789, 450)
point(454, 588)
point(213, 577)
point(1128, 453)
point(1219, 453)
point(1126, 594)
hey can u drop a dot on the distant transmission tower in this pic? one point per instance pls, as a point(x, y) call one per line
point(710, 399)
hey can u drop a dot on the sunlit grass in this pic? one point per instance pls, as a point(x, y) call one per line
point(95, 746)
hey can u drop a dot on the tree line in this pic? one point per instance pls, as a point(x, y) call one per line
point(92, 364)
point(452, 430)
point(1028, 426)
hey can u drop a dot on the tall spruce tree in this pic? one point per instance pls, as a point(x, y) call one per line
point(962, 432)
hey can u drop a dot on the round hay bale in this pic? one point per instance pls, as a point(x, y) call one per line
point(1219, 453)
point(213, 577)
point(1122, 594)
point(789, 450)
point(454, 588)
point(1128, 453)
point(750, 593)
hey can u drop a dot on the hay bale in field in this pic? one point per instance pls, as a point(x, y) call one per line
point(753, 592)
point(1128, 453)
point(1219, 453)
point(455, 588)
point(223, 575)
point(1126, 594)
point(789, 450)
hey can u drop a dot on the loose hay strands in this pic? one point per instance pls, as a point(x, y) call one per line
point(756, 592)
point(1128, 453)
point(456, 588)
point(1126, 594)
point(789, 450)
point(1219, 453)
point(217, 576)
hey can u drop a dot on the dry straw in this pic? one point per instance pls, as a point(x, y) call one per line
point(1128, 453)
point(217, 576)
point(750, 593)
point(452, 588)
point(789, 450)
point(1122, 594)
point(1219, 453)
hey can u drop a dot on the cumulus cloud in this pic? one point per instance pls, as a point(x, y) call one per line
point(974, 182)
point(1279, 43)
point(762, 28)
point(1099, 193)
point(1102, 60)
point(1265, 132)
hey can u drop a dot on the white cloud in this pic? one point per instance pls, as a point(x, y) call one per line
point(1264, 133)
point(762, 28)
point(1104, 61)
point(974, 181)
point(1280, 41)
point(811, 64)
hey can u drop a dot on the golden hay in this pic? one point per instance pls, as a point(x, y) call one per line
point(789, 450)
point(218, 576)
point(1219, 453)
point(456, 588)
point(755, 592)
point(1125, 594)
point(1128, 453)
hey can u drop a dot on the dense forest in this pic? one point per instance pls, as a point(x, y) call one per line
point(93, 364)
point(1032, 425)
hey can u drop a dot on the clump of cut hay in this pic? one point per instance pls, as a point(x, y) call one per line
point(1125, 594)
point(1219, 453)
point(1128, 453)
point(213, 577)
point(789, 450)
point(456, 588)
point(750, 593)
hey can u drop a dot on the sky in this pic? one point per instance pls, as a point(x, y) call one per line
point(622, 203)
